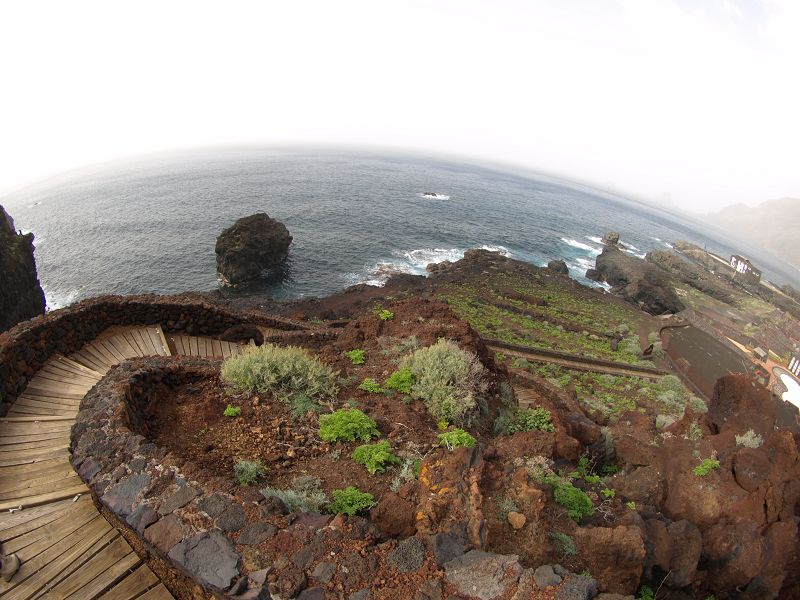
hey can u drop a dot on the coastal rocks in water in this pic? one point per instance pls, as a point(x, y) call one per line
point(21, 296)
point(611, 239)
point(250, 247)
point(558, 266)
point(637, 281)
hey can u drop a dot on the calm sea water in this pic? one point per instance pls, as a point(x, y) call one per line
point(151, 225)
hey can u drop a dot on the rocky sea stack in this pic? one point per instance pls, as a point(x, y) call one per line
point(250, 248)
point(21, 296)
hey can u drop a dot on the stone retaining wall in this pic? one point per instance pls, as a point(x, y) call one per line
point(26, 347)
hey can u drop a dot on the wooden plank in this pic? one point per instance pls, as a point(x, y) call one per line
point(183, 342)
point(121, 344)
point(58, 531)
point(163, 338)
point(42, 388)
point(99, 354)
point(14, 524)
point(11, 471)
point(9, 484)
point(205, 350)
point(108, 347)
point(35, 574)
point(216, 348)
point(69, 492)
point(96, 574)
point(10, 428)
point(194, 347)
point(23, 410)
point(6, 440)
point(68, 482)
point(67, 363)
point(43, 526)
point(133, 585)
point(90, 362)
point(63, 404)
point(57, 376)
point(157, 593)
point(147, 343)
point(36, 445)
point(132, 342)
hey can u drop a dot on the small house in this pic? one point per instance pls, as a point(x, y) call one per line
point(744, 267)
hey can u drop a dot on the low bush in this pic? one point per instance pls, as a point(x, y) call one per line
point(275, 369)
point(575, 500)
point(350, 501)
point(232, 411)
point(401, 381)
point(249, 472)
point(385, 315)
point(347, 425)
point(371, 386)
point(305, 495)
point(608, 493)
point(457, 438)
point(749, 439)
point(300, 405)
point(450, 381)
point(564, 544)
point(706, 466)
point(357, 356)
point(375, 457)
point(531, 419)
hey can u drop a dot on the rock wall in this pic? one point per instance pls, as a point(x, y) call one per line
point(21, 296)
point(26, 347)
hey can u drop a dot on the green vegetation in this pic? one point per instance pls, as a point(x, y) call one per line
point(232, 411)
point(401, 381)
point(631, 505)
point(457, 438)
point(608, 493)
point(385, 315)
point(504, 506)
point(305, 495)
point(300, 405)
point(449, 380)
point(564, 544)
point(375, 457)
point(575, 500)
point(706, 466)
point(350, 501)
point(249, 472)
point(279, 370)
point(347, 425)
point(749, 439)
point(357, 356)
point(530, 419)
point(371, 386)
point(646, 593)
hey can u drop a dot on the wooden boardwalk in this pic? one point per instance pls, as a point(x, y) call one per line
point(67, 548)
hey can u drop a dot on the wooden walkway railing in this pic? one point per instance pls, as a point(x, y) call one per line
point(67, 548)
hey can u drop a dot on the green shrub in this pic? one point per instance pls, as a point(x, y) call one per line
point(706, 466)
point(531, 419)
point(564, 544)
point(401, 381)
point(504, 506)
point(592, 479)
point(289, 371)
point(249, 472)
point(646, 593)
point(232, 411)
point(749, 439)
point(300, 405)
point(350, 501)
point(385, 315)
point(631, 505)
point(347, 425)
point(577, 503)
point(375, 457)
point(305, 495)
point(371, 386)
point(608, 493)
point(449, 380)
point(456, 439)
point(357, 356)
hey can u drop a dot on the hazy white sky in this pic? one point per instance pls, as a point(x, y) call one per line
point(692, 103)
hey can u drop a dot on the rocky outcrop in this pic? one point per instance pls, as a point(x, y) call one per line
point(250, 248)
point(558, 266)
point(21, 296)
point(636, 280)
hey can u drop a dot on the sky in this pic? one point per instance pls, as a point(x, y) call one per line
point(690, 104)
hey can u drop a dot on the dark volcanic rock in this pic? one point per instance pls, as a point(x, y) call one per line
point(21, 296)
point(250, 247)
point(210, 558)
point(558, 266)
point(636, 280)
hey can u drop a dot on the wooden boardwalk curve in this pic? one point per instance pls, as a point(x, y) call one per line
point(67, 548)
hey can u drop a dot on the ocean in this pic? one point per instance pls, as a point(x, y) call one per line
point(150, 225)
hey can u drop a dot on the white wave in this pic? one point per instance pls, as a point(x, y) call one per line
point(433, 196)
point(413, 262)
point(581, 245)
point(668, 245)
point(634, 251)
point(58, 300)
point(595, 238)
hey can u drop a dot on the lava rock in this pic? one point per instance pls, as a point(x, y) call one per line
point(256, 533)
point(180, 498)
point(21, 296)
point(120, 498)
point(447, 546)
point(324, 572)
point(577, 587)
point(141, 518)
point(408, 556)
point(250, 247)
point(232, 518)
point(165, 533)
point(545, 576)
point(482, 574)
point(210, 558)
point(558, 266)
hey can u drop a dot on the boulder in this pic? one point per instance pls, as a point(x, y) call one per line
point(614, 556)
point(558, 266)
point(250, 248)
point(483, 575)
point(610, 239)
point(21, 296)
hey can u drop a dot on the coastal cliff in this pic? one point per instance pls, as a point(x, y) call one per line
point(21, 296)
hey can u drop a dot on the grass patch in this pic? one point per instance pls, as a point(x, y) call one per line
point(706, 466)
point(232, 411)
point(401, 380)
point(371, 386)
point(457, 438)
